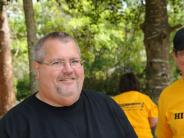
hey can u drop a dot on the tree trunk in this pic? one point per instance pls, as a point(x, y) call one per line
point(31, 38)
point(7, 95)
point(156, 40)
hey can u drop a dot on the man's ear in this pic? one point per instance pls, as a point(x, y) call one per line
point(35, 66)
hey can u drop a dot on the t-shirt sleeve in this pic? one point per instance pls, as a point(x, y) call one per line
point(152, 108)
point(3, 133)
point(11, 125)
point(122, 120)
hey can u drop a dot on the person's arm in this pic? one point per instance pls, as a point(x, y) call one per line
point(152, 112)
point(122, 120)
point(10, 126)
point(153, 122)
point(3, 134)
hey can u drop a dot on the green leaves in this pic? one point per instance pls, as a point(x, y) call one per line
point(108, 33)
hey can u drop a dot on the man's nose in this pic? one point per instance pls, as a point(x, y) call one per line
point(67, 67)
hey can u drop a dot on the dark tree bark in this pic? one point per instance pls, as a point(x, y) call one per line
point(31, 38)
point(156, 40)
point(7, 95)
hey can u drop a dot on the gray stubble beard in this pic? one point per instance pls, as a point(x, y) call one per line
point(59, 90)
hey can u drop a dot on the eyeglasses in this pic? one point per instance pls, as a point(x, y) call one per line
point(58, 63)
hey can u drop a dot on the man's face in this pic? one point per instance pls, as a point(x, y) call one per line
point(60, 85)
point(179, 58)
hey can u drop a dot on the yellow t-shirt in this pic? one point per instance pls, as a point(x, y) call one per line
point(171, 111)
point(138, 108)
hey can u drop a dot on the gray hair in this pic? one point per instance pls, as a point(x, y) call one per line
point(38, 50)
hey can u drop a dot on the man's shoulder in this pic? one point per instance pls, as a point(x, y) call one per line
point(92, 92)
point(19, 109)
point(98, 99)
point(95, 95)
point(172, 87)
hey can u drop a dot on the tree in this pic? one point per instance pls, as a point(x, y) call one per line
point(7, 95)
point(31, 37)
point(156, 39)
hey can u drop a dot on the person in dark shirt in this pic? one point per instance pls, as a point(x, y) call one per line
point(60, 108)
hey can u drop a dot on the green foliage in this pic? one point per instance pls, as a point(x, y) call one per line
point(105, 45)
point(23, 89)
point(19, 44)
point(108, 33)
point(98, 26)
point(16, 20)
point(174, 11)
point(19, 49)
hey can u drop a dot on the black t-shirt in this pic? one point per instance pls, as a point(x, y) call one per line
point(94, 115)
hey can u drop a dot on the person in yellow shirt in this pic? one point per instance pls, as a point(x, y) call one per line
point(171, 100)
point(140, 110)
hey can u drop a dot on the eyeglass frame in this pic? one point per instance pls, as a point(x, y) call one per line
point(60, 63)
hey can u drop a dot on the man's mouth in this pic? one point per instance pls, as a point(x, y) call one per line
point(67, 79)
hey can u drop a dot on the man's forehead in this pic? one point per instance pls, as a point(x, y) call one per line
point(57, 40)
point(56, 45)
point(49, 44)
